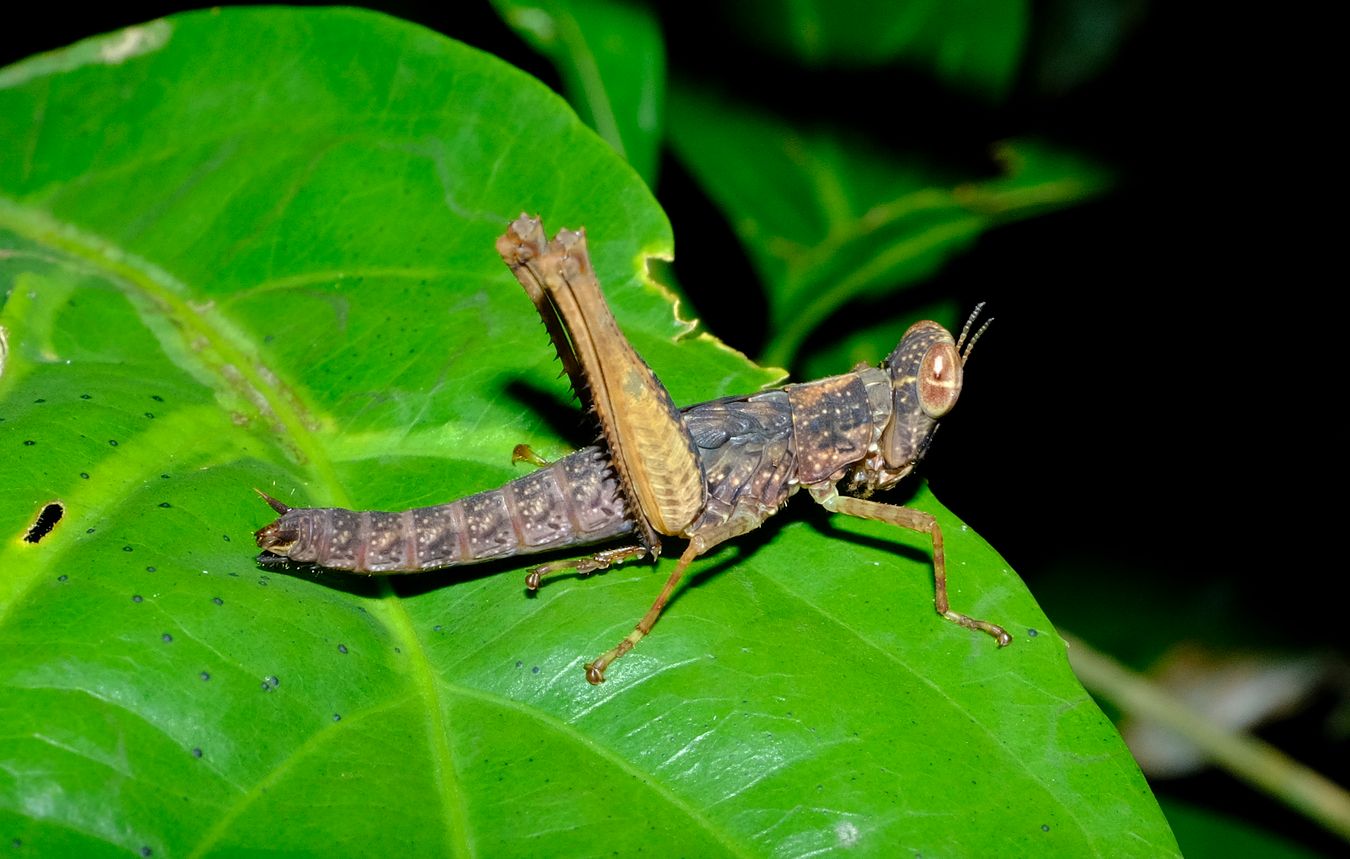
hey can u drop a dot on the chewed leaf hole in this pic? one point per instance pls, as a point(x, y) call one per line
point(45, 522)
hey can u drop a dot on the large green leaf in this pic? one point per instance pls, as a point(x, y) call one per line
point(254, 248)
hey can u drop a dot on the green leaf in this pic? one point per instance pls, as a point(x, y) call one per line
point(1210, 836)
point(827, 219)
point(254, 247)
point(612, 59)
point(975, 45)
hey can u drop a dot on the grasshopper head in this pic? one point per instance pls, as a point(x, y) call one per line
point(926, 370)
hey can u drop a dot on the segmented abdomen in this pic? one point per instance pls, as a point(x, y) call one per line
point(572, 502)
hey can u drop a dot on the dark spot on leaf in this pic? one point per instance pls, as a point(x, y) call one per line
point(28, 442)
point(40, 400)
point(205, 675)
point(89, 530)
point(146, 851)
point(217, 600)
point(84, 475)
point(196, 753)
point(127, 549)
point(113, 442)
point(227, 537)
point(270, 682)
point(137, 598)
point(166, 638)
point(17, 842)
point(157, 398)
point(62, 577)
point(85, 397)
point(436, 628)
point(520, 664)
point(164, 476)
point(150, 415)
point(150, 569)
point(1045, 827)
point(342, 648)
point(45, 522)
point(534, 670)
point(165, 504)
point(262, 580)
point(337, 717)
point(398, 650)
point(1031, 633)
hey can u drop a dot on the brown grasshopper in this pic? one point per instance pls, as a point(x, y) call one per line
point(706, 473)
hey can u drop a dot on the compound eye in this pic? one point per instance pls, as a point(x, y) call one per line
point(939, 379)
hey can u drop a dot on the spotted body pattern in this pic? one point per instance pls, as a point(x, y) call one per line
point(572, 502)
point(707, 473)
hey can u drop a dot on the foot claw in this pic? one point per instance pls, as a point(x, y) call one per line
point(999, 634)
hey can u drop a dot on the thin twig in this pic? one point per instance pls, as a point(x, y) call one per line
point(1250, 759)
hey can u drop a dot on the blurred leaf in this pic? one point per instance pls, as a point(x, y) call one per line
point(1206, 835)
point(612, 60)
point(970, 44)
point(1079, 39)
point(826, 219)
point(870, 342)
point(253, 247)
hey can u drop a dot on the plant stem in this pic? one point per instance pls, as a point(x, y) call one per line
point(1258, 763)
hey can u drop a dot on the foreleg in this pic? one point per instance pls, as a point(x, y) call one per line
point(914, 520)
